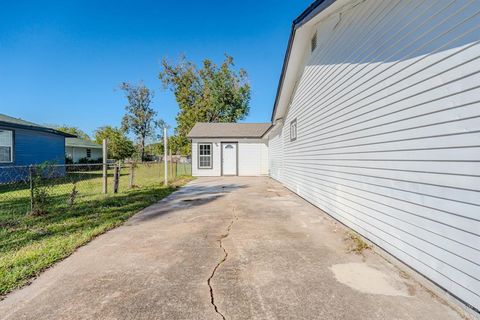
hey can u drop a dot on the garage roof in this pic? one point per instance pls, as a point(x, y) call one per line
point(228, 130)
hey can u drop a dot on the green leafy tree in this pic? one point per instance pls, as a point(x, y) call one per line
point(156, 148)
point(72, 130)
point(140, 117)
point(209, 94)
point(119, 146)
point(178, 145)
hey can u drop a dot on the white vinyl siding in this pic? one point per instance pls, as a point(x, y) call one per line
point(77, 153)
point(388, 138)
point(275, 155)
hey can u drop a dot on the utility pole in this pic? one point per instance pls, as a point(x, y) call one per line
point(165, 152)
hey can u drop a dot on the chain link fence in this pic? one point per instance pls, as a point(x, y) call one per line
point(39, 189)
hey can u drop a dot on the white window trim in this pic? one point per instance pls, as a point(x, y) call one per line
point(293, 130)
point(210, 156)
point(12, 146)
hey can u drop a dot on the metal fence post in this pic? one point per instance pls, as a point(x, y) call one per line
point(30, 175)
point(105, 168)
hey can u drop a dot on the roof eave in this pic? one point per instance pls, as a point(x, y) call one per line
point(35, 128)
point(314, 9)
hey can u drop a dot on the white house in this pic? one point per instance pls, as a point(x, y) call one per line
point(76, 149)
point(222, 149)
point(377, 122)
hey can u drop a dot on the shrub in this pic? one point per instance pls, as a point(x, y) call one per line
point(40, 195)
point(90, 161)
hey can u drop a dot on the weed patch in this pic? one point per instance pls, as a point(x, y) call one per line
point(355, 243)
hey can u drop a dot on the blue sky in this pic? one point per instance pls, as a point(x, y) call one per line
point(61, 61)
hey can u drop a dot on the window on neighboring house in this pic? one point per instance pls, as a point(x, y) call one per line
point(204, 155)
point(89, 153)
point(313, 42)
point(293, 130)
point(6, 146)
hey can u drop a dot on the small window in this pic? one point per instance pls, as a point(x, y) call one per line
point(293, 130)
point(204, 155)
point(6, 146)
point(89, 153)
point(313, 42)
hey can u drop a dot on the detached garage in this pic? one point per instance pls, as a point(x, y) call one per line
point(229, 149)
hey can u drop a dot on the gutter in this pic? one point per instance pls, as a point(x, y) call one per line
point(314, 9)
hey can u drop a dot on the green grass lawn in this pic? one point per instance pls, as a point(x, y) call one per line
point(30, 244)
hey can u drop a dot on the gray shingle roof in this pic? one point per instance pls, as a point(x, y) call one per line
point(228, 130)
point(20, 123)
point(12, 120)
point(76, 142)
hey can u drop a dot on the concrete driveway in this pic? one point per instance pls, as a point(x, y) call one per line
point(225, 248)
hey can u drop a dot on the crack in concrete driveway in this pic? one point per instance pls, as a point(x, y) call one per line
point(225, 256)
point(276, 259)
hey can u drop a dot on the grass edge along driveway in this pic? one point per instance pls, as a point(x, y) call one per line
point(57, 235)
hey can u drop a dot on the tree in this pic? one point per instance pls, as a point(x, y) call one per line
point(210, 94)
point(178, 146)
point(72, 130)
point(157, 148)
point(139, 118)
point(119, 146)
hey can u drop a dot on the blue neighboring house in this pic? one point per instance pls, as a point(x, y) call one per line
point(23, 143)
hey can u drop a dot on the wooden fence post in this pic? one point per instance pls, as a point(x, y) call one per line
point(116, 178)
point(165, 151)
point(171, 165)
point(105, 168)
point(132, 173)
point(30, 175)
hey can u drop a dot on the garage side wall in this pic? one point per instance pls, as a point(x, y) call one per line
point(252, 157)
point(388, 142)
point(275, 154)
